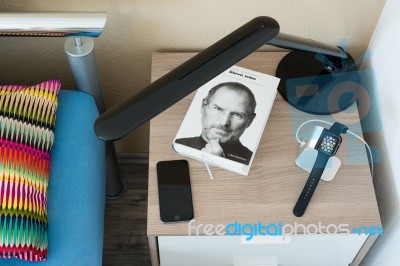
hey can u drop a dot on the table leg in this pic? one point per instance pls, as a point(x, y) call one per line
point(364, 249)
point(153, 246)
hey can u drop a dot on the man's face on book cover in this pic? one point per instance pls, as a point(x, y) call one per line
point(226, 116)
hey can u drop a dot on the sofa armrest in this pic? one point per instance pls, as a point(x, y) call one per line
point(77, 184)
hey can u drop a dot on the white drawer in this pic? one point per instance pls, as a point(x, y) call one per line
point(307, 250)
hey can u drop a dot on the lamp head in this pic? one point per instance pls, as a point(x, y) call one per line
point(175, 85)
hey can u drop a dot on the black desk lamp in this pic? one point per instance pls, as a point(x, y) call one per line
point(314, 59)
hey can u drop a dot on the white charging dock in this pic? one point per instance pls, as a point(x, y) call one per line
point(307, 155)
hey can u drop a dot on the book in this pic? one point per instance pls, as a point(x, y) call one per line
point(226, 119)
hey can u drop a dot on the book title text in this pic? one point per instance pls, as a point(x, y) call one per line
point(241, 75)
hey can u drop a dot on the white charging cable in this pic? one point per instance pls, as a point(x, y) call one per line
point(329, 123)
point(206, 164)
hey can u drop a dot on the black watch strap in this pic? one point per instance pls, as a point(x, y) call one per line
point(316, 173)
point(338, 128)
point(311, 184)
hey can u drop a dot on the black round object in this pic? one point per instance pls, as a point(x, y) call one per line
point(318, 84)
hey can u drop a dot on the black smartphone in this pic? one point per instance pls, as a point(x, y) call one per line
point(174, 191)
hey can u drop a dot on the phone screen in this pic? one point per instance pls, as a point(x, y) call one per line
point(174, 191)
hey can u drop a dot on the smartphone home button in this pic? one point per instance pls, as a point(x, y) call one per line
point(177, 217)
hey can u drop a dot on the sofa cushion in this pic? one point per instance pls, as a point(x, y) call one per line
point(27, 119)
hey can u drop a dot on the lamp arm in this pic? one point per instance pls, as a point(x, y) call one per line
point(195, 72)
point(287, 41)
point(175, 85)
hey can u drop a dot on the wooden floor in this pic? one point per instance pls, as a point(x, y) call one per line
point(125, 240)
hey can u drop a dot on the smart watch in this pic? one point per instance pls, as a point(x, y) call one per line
point(327, 146)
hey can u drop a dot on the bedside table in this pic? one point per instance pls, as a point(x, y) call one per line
point(268, 194)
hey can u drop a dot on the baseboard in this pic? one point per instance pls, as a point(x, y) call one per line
point(133, 158)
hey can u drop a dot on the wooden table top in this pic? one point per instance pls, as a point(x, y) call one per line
point(274, 183)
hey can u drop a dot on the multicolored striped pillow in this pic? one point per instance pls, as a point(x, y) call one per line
point(27, 118)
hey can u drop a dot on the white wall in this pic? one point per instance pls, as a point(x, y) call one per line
point(136, 28)
point(385, 90)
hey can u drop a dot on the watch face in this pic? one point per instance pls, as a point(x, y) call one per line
point(328, 143)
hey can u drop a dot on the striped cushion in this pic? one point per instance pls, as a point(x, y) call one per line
point(27, 118)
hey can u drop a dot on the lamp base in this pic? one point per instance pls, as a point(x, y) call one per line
point(316, 83)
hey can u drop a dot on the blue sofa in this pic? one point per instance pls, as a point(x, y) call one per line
point(76, 199)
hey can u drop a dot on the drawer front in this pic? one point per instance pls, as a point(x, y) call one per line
point(298, 250)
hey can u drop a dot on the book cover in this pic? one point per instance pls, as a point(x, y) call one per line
point(226, 119)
